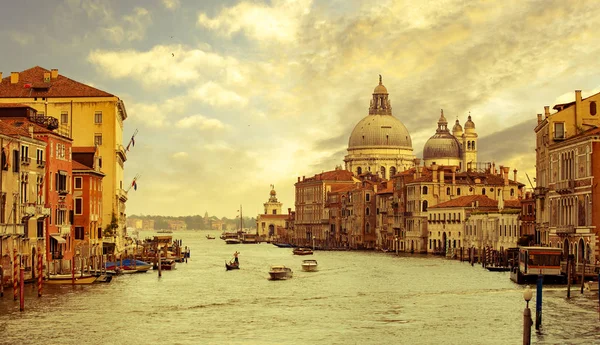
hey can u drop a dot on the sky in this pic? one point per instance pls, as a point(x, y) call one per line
point(230, 97)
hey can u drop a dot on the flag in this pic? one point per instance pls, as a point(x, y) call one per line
point(134, 185)
point(132, 141)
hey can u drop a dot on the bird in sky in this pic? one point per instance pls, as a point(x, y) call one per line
point(173, 54)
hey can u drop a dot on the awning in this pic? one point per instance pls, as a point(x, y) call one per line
point(58, 238)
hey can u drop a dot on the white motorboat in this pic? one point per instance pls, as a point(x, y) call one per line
point(309, 265)
point(280, 272)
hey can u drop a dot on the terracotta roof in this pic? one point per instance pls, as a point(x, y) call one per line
point(25, 123)
point(31, 84)
point(274, 216)
point(512, 203)
point(78, 166)
point(7, 128)
point(84, 149)
point(333, 175)
point(14, 105)
point(337, 188)
point(467, 201)
point(386, 190)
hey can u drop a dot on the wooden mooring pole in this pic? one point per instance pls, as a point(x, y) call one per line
point(538, 302)
point(569, 277)
point(22, 288)
point(582, 275)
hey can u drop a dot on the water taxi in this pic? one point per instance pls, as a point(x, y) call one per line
point(534, 261)
point(280, 272)
point(309, 265)
point(302, 251)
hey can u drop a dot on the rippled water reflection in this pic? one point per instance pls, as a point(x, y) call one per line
point(354, 298)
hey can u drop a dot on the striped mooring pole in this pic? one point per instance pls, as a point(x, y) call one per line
point(15, 274)
point(40, 275)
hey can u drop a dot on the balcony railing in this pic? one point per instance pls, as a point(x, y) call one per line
point(12, 229)
point(565, 229)
point(122, 194)
point(565, 186)
point(41, 164)
point(121, 152)
point(25, 160)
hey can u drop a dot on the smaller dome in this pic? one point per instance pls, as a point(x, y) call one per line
point(441, 145)
point(469, 123)
point(380, 89)
point(457, 127)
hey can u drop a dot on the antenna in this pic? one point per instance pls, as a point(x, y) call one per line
point(529, 181)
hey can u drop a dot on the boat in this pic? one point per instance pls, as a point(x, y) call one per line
point(591, 286)
point(309, 265)
point(165, 231)
point(497, 268)
point(167, 264)
point(104, 278)
point(535, 261)
point(230, 267)
point(303, 251)
point(232, 238)
point(280, 272)
point(283, 245)
point(249, 238)
point(128, 265)
point(67, 279)
point(209, 237)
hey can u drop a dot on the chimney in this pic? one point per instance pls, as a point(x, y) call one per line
point(453, 175)
point(539, 116)
point(434, 174)
point(303, 177)
point(31, 130)
point(14, 77)
point(54, 73)
point(505, 175)
point(0, 77)
point(501, 171)
point(442, 176)
point(46, 77)
point(546, 111)
point(515, 176)
point(298, 178)
point(289, 210)
point(577, 96)
point(419, 171)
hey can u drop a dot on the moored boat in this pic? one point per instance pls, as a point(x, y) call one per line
point(303, 251)
point(280, 272)
point(68, 279)
point(128, 265)
point(167, 264)
point(283, 245)
point(309, 265)
point(497, 268)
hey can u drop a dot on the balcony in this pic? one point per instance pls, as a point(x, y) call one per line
point(565, 230)
point(25, 160)
point(63, 192)
point(65, 230)
point(41, 164)
point(40, 210)
point(12, 229)
point(540, 191)
point(121, 152)
point(565, 186)
point(122, 194)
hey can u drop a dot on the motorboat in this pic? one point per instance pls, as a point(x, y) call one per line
point(280, 272)
point(209, 237)
point(283, 245)
point(232, 238)
point(303, 251)
point(66, 279)
point(309, 265)
point(128, 265)
point(167, 264)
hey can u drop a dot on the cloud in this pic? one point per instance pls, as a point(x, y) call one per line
point(133, 28)
point(22, 38)
point(180, 155)
point(281, 21)
point(171, 4)
point(215, 95)
point(200, 122)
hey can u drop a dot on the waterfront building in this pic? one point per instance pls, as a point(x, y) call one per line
point(90, 117)
point(271, 224)
point(528, 220)
point(384, 230)
point(22, 208)
point(360, 211)
point(336, 199)
point(87, 204)
point(566, 146)
point(310, 220)
point(177, 225)
point(379, 143)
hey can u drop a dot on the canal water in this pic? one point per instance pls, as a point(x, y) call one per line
point(354, 298)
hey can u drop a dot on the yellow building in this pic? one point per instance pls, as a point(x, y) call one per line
point(268, 223)
point(87, 115)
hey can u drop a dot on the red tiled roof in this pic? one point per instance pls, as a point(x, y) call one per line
point(31, 84)
point(78, 166)
point(14, 105)
point(7, 128)
point(25, 123)
point(337, 188)
point(333, 175)
point(84, 149)
point(386, 190)
point(512, 203)
point(467, 201)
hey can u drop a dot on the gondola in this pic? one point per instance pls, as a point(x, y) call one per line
point(229, 267)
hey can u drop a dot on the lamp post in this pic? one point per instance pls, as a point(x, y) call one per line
point(527, 321)
point(396, 245)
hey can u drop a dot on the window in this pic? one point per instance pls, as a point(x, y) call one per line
point(448, 191)
point(424, 190)
point(78, 206)
point(3, 208)
point(274, 211)
point(98, 139)
point(592, 108)
point(79, 233)
point(99, 232)
point(16, 162)
point(4, 160)
point(98, 117)
point(78, 182)
point(424, 206)
point(457, 191)
point(483, 191)
point(368, 197)
point(61, 181)
point(24, 154)
point(367, 211)
point(559, 130)
point(39, 157)
point(64, 117)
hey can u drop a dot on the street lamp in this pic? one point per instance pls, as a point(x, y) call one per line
point(527, 321)
point(396, 245)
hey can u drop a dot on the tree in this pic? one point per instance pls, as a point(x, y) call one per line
point(112, 227)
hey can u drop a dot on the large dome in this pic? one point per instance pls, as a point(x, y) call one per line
point(441, 145)
point(380, 131)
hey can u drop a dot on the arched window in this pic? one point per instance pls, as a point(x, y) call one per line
point(382, 169)
point(367, 211)
point(448, 191)
point(392, 171)
point(468, 145)
point(367, 228)
point(424, 205)
point(473, 145)
point(457, 191)
point(592, 108)
point(424, 190)
point(512, 192)
point(483, 191)
point(358, 171)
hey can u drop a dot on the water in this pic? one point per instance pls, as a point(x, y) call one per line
point(354, 298)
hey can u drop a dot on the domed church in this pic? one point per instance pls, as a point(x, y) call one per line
point(452, 149)
point(379, 143)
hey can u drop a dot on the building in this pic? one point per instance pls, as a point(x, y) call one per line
point(87, 204)
point(177, 224)
point(271, 224)
point(566, 146)
point(22, 207)
point(89, 116)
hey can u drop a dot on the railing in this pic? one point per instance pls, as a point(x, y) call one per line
point(65, 230)
point(565, 186)
point(63, 192)
point(41, 164)
point(12, 229)
point(565, 229)
point(25, 160)
point(121, 152)
point(122, 194)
